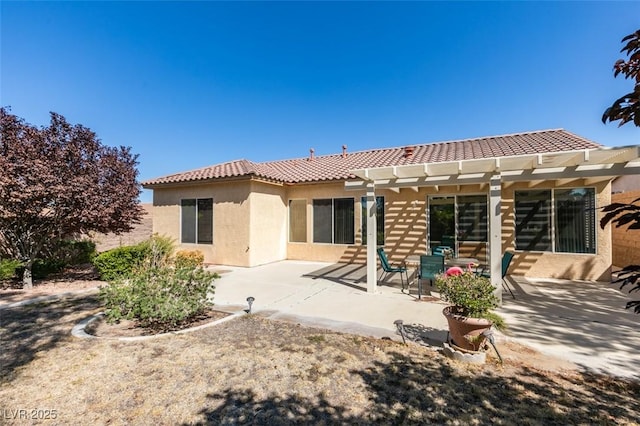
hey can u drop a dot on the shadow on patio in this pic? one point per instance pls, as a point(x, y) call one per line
point(584, 322)
point(354, 275)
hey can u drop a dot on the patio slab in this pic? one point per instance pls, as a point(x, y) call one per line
point(583, 322)
point(329, 295)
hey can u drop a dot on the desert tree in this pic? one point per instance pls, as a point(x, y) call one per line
point(58, 182)
point(626, 109)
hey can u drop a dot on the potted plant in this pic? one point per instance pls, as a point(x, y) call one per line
point(470, 314)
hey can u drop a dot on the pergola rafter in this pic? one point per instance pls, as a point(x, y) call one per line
point(491, 174)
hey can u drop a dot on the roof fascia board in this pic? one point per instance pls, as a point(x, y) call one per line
point(198, 182)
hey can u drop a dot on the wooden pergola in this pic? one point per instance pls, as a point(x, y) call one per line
point(492, 174)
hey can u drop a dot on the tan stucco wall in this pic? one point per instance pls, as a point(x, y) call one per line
point(268, 229)
point(406, 232)
point(558, 265)
point(405, 223)
point(626, 243)
point(310, 250)
point(231, 219)
point(251, 226)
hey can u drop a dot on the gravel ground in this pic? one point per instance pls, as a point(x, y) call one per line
point(252, 370)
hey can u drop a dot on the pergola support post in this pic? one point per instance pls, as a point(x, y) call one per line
point(495, 234)
point(372, 243)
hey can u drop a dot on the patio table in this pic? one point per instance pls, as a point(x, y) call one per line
point(413, 261)
point(461, 261)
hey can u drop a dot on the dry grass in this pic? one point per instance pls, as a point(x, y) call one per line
point(259, 371)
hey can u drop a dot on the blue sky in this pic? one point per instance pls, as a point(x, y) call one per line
point(189, 84)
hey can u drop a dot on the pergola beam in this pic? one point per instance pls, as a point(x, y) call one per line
point(593, 166)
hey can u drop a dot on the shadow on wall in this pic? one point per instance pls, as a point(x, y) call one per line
point(626, 250)
point(405, 233)
point(522, 263)
point(583, 269)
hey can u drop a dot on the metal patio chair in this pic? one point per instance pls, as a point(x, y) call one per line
point(387, 268)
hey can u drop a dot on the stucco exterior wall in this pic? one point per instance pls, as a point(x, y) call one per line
point(251, 226)
point(268, 228)
point(317, 251)
point(231, 219)
point(626, 243)
point(405, 223)
point(558, 265)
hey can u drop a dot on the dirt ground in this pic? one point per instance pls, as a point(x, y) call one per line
point(251, 370)
point(85, 278)
point(139, 233)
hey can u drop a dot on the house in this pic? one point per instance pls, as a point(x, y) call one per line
point(535, 193)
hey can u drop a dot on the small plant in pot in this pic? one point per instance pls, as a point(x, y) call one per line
point(470, 314)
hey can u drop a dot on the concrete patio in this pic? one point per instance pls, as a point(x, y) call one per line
point(583, 322)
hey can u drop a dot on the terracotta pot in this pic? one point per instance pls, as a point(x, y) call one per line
point(465, 332)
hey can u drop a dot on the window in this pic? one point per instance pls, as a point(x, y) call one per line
point(472, 218)
point(333, 220)
point(575, 220)
point(379, 220)
point(197, 221)
point(298, 221)
point(457, 219)
point(533, 220)
point(567, 215)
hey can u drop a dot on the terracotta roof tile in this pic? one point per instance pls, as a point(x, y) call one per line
point(335, 167)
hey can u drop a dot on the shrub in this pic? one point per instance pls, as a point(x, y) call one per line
point(119, 262)
point(76, 252)
point(123, 261)
point(158, 250)
point(189, 259)
point(43, 267)
point(471, 295)
point(8, 268)
point(159, 298)
point(55, 258)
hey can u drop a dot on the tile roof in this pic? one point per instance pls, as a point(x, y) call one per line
point(337, 167)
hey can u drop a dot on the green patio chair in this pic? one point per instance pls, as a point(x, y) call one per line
point(507, 257)
point(387, 268)
point(430, 267)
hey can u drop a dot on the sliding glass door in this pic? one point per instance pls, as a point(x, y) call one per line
point(458, 222)
point(442, 223)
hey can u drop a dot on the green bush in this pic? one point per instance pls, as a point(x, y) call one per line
point(72, 252)
point(123, 261)
point(42, 268)
point(472, 295)
point(159, 298)
point(8, 268)
point(119, 262)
